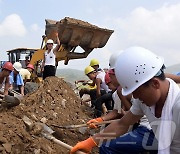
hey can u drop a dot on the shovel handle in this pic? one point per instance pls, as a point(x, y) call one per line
point(65, 145)
point(106, 122)
point(85, 125)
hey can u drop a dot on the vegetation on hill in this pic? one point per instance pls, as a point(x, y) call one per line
point(173, 69)
point(71, 75)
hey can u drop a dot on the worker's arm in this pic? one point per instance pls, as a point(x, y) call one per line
point(125, 100)
point(22, 90)
point(58, 44)
point(43, 63)
point(7, 85)
point(98, 89)
point(174, 77)
point(112, 131)
point(76, 82)
point(112, 115)
point(117, 128)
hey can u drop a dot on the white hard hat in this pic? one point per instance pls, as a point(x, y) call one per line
point(135, 66)
point(17, 66)
point(50, 41)
point(112, 60)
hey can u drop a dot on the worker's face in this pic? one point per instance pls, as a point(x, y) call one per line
point(6, 72)
point(113, 80)
point(92, 75)
point(95, 67)
point(49, 45)
point(16, 72)
point(149, 94)
point(30, 70)
point(111, 86)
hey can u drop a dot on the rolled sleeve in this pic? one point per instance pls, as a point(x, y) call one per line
point(136, 108)
point(117, 102)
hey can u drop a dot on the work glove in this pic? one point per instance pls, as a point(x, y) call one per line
point(91, 122)
point(85, 146)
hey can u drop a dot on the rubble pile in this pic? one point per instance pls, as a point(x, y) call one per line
point(54, 102)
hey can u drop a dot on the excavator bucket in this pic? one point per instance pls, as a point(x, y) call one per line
point(73, 33)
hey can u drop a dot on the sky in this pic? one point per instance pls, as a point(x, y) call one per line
point(151, 24)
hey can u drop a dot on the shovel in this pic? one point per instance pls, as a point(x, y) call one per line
point(47, 133)
point(9, 101)
point(84, 125)
point(16, 94)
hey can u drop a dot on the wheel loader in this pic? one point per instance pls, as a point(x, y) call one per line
point(72, 33)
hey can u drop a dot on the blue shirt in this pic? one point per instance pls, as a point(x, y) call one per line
point(19, 81)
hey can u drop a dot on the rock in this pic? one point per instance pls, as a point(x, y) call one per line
point(28, 122)
point(7, 147)
point(37, 129)
point(43, 120)
point(3, 140)
point(1, 148)
point(48, 91)
point(47, 149)
point(63, 103)
point(37, 151)
point(65, 91)
point(43, 102)
point(55, 114)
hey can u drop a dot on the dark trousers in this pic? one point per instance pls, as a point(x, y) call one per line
point(105, 98)
point(49, 70)
point(137, 141)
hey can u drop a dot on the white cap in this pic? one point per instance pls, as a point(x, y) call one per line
point(135, 66)
point(17, 66)
point(50, 41)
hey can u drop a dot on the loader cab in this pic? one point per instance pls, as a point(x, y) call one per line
point(26, 56)
point(21, 55)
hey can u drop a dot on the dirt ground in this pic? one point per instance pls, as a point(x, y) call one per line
point(53, 103)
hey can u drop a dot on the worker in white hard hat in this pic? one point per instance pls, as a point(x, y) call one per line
point(16, 80)
point(49, 62)
point(121, 105)
point(141, 72)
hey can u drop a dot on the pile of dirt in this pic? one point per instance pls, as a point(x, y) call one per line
point(53, 103)
point(68, 20)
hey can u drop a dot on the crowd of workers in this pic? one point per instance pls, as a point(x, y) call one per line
point(13, 77)
point(135, 90)
point(138, 93)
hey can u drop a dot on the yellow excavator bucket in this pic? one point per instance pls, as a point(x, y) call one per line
point(72, 33)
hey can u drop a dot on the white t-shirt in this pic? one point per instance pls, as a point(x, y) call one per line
point(117, 102)
point(117, 106)
point(25, 73)
point(2, 85)
point(138, 108)
point(101, 75)
point(50, 58)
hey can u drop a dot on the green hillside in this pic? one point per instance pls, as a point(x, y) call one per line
point(173, 68)
point(71, 75)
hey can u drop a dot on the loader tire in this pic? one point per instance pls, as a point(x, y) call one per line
point(30, 87)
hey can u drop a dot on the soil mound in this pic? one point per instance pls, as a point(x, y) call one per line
point(54, 102)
